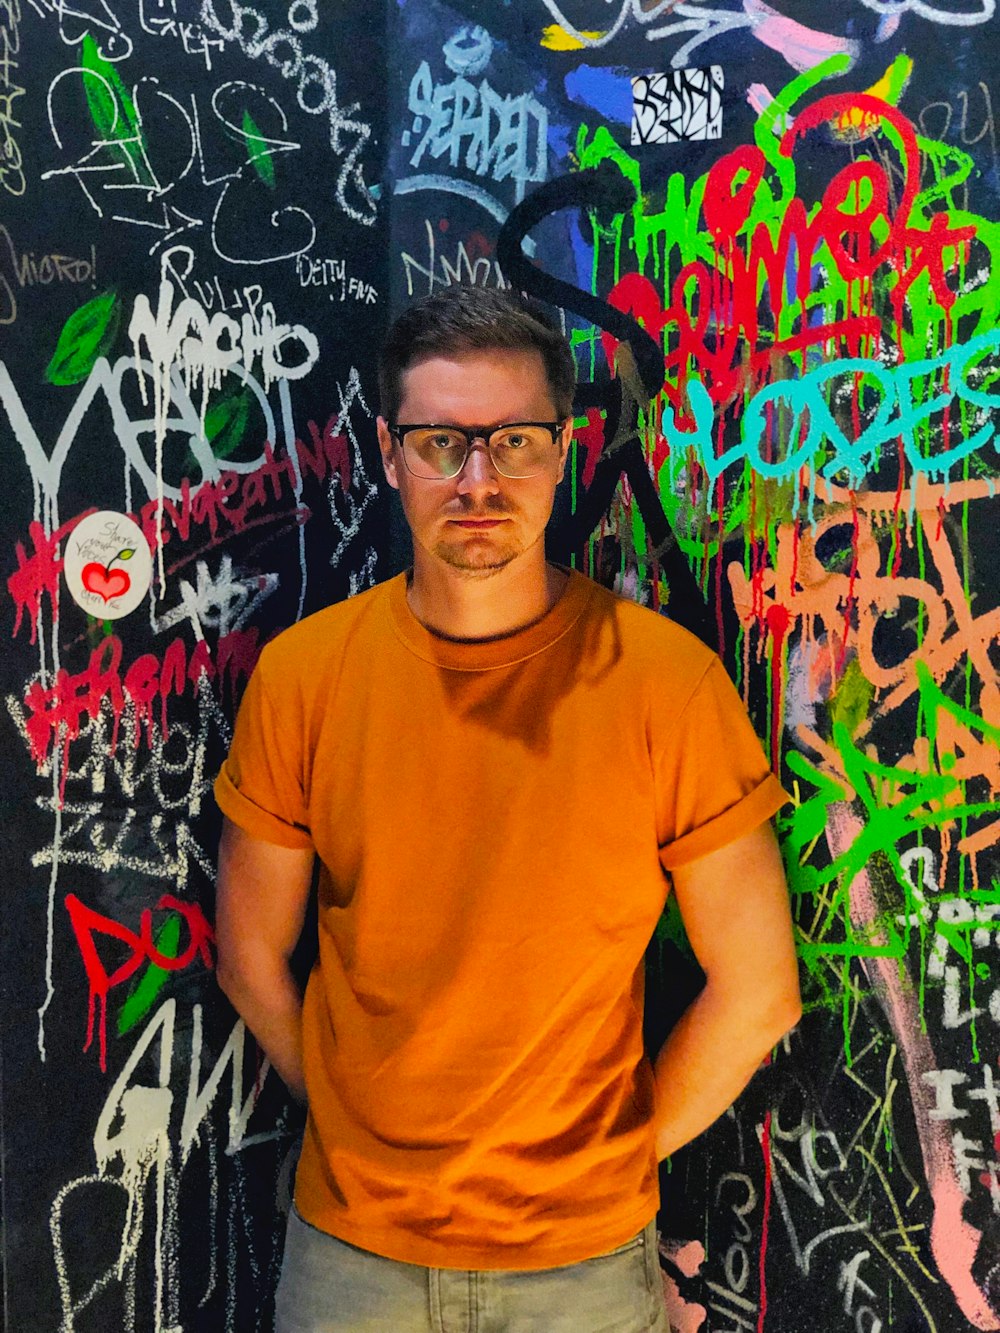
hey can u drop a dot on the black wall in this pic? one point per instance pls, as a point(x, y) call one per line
point(306, 170)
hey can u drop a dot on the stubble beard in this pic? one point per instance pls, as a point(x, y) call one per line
point(476, 564)
point(485, 556)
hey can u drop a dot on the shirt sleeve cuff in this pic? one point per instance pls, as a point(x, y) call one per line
point(254, 819)
point(747, 814)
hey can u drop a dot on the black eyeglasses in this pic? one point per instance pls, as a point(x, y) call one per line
point(435, 453)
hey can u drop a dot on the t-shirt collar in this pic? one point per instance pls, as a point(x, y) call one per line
point(487, 654)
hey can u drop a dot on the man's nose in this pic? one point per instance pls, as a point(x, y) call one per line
point(478, 472)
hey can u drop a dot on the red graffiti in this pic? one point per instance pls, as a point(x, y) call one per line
point(234, 503)
point(778, 619)
point(37, 575)
point(231, 504)
point(591, 438)
point(88, 924)
point(716, 310)
point(56, 713)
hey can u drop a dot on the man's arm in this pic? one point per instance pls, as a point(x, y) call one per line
point(263, 891)
point(734, 904)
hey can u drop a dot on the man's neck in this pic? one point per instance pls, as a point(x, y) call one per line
point(457, 605)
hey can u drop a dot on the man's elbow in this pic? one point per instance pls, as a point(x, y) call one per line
point(234, 972)
point(781, 1013)
point(227, 978)
point(247, 971)
point(790, 1016)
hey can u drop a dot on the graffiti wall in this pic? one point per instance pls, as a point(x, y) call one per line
point(193, 271)
point(770, 231)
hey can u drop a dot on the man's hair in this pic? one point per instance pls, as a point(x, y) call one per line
point(463, 319)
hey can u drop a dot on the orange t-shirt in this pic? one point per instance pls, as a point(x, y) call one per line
point(493, 822)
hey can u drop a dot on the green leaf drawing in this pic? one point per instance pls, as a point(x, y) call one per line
point(127, 554)
point(260, 154)
point(144, 992)
point(88, 334)
point(112, 109)
point(226, 421)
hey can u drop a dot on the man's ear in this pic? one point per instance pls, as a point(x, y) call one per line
point(565, 437)
point(387, 448)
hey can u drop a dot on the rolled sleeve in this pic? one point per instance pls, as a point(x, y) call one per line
point(259, 786)
point(712, 774)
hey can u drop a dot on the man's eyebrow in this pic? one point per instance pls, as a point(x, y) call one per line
point(497, 425)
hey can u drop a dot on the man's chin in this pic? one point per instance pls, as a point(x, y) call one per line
point(473, 563)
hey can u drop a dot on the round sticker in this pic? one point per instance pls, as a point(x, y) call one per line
point(107, 564)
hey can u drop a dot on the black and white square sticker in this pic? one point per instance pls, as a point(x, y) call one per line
point(678, 106)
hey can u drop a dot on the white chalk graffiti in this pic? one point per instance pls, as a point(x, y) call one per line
point(11, 162)
point(694, 17)
point(959, 928)
point(222, 602)
point(206, 347)
point(128, 169)
point(975, 1163)
point(493, 135)
point(88, 18)
point(91, 845)
point(108, 385)
point(800, 46)
point(963, 17)
point(349, 506)
point(29, 269)
point(707, 23)
point(437, 270)
point(170, 772)
point(316, 90)
point(332, 274)
point(160, 18)
point(145, 1135)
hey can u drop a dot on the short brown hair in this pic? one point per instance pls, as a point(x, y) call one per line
point(462, 319)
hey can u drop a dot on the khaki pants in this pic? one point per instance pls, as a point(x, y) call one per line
point(328, 1286)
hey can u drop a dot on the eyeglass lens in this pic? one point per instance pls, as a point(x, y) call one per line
point(516, 450)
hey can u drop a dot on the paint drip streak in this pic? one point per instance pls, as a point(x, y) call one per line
point(765, 1147)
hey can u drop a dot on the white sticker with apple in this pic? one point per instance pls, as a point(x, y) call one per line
point(107, 564)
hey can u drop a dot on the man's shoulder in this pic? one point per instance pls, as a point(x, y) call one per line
point(649, 638)
point(319, 638)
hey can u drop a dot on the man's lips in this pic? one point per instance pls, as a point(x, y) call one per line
point(478, 524)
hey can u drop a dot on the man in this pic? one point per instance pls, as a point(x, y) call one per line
point(495, 762)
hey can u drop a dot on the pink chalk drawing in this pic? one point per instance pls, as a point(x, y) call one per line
point(688, 1256)
point(954, 1241)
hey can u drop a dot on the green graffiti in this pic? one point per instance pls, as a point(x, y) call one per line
point(113, 111)
point(143, 995)
point(260, 154)
point(226, 420)
point(826, 328)
point(934, 702)
point(735, 309)
point(87, 335)
point(897, 806)
point(851, 700)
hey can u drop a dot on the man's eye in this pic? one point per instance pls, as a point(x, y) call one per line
point(445, 442)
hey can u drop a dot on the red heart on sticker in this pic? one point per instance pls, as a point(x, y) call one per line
point(106, 583)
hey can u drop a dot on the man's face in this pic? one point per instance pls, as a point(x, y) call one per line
point(478, 522)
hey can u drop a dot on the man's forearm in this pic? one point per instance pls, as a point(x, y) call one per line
point(708, 1059)
point(263, 890)
point(270, 1003)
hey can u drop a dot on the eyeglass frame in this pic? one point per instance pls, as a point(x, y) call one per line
point(471, 433)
